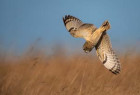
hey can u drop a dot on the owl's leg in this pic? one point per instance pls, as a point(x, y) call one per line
point(88, 46)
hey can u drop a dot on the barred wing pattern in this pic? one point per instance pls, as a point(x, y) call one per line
point(106, 54)
point(77, 28)
point(72, 23)
point(94, 37)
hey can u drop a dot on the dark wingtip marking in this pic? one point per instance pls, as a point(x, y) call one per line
point(115, 72)
point(65, 18)
point(64, 21)
point(70, 17)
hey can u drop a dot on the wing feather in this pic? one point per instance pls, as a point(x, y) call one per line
point(77, 28)
point(107, 55)
point(72, 22)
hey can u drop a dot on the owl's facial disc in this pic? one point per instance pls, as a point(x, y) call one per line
point(106, 25)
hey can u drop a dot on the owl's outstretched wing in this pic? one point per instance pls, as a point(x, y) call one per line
point(77, 28)
point(106, 54)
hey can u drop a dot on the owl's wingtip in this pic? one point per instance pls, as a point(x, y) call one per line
point(116, 72)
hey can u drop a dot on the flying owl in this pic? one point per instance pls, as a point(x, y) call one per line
point(95, 37)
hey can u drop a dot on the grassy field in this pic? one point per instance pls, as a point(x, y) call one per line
point(67, 75)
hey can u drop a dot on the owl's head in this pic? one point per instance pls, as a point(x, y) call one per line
point(88, 46)
point(106, 25)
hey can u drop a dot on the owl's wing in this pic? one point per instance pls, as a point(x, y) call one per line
point(77, 28)
point(106, 54)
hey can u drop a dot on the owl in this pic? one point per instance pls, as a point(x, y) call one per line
point(95, 38)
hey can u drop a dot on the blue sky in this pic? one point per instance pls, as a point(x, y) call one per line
point(22, 22)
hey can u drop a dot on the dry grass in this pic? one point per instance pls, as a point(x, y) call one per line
point(74, 75)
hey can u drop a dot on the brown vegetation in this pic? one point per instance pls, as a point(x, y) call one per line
point(39, 74)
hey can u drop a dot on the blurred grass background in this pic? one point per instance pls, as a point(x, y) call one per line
point(39, 57)
point(36, 73)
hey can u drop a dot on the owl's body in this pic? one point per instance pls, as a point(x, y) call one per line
point(95, 37)
point(87, 30)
